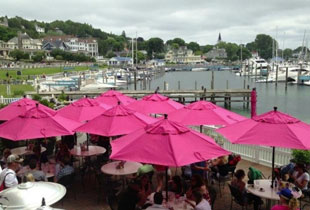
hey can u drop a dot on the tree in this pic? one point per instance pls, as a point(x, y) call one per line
point(263, 45)
point(194, 46)
point(7, 33)
point(175, 46)
point(123, 34)
point(246, 54)
point(155, 45)
point(38, 56)
point(179, 41)
point(287, 53)
point(207, 48)
point(251, 46)
point(18, 55)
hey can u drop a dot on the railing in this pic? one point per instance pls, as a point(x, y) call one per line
point(257, 154)
point(7, 100)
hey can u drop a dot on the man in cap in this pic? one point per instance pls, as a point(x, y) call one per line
point(8, 175)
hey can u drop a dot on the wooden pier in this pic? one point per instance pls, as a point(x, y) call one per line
point(226, 96)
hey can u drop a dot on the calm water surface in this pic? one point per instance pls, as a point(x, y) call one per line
point(295, 101)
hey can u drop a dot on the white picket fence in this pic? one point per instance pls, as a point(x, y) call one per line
point(257, 154)
point(7, 100)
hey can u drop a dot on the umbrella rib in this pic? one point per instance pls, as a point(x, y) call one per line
point(302, 143)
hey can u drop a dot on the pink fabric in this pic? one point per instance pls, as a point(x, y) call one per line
point(37, 123)
point(83, 109)
point(112, 97)
point(204, 113)
point(273, 128)
point(155, 104)
point(116, 121)
point(20, 107)
point(280, 207)
point(166, 143)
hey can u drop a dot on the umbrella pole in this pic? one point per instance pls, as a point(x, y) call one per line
point(87, 140)
point(272, 174)
point(167, 184)
point(200, 128)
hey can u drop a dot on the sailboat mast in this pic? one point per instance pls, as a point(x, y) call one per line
point(133, 60)
point(136, 49)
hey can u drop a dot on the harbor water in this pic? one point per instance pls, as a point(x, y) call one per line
point(295, 101)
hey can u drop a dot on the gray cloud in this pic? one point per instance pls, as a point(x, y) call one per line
point(193, 20)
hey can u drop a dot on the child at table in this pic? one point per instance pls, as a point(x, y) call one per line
point(287, 201)
point(239, 184)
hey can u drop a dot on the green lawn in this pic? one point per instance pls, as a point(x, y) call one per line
point(16, 90)
point(38, 71)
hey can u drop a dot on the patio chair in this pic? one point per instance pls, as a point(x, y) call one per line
point(225, 174)
point(236, 196)
point(68, 181)
point(213, 195)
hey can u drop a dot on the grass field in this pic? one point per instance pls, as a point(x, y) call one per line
point(16, 90)
point(38, 71)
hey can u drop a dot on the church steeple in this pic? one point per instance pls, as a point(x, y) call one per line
point(219, 39)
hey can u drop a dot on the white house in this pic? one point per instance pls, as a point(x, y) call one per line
point(120, 61)
point(39, 29)
point(157, 62)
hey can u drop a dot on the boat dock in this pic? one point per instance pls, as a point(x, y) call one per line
point(226, 96)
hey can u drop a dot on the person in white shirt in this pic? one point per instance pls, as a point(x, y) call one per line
point(8, 175)
point(201, 203)
point(158, 201)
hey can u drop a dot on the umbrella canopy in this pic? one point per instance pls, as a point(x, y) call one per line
point(29, 195)
point(155, 104)
point(116, 121)
point(37, 123)
point(273, 128)
point(204, 113)
point(83, 109)
point(112, 97)
point(20, 107)
point(166, 143)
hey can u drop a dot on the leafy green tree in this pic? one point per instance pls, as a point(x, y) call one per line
point(194, 46)
point(175, 46)
point(14, 23)
point(263, 44)
point(251, 46)
point(7, 33)
point(207, 48)
point(155, 45)
point(246, 54)
point(123, 34)
point(179, 41)
point(17, 54)
point(111, 54)
point(38, 56)
point(287, 53)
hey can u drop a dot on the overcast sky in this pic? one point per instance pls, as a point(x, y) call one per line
point(193, 20)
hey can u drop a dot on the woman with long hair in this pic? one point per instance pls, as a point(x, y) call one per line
point(287, 201)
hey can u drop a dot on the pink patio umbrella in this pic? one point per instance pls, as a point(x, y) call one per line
point(37, 123)
point(166, 143)
point(116, 121)
point(155, 104)
point(20, 107)
point(83, 109)
point(274, 128)
point(112, 97)
point(204, 113)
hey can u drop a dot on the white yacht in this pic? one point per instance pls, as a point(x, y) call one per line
point(258, 66)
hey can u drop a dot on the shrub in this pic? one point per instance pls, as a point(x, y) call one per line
point(301, 156)
point(18, 92)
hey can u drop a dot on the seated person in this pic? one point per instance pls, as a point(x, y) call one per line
point(145, 185)
point(239, 184)
point(8, 175)
point(223, 160)
point(177, 186)
point(300, 177)
point(6, 154)
point(66, 169)
point(201, 203)
point(254, 174)
point(36, 173)
point(158, 201)
point(287, 201)
point(131, 198)
point(29, 178)
point(198, 184)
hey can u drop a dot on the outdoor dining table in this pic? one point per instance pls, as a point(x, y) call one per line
point(24, 151)
point(180, 203)
point(92, 151)
point(262, 188)
point(129, 168)
point(49, 170)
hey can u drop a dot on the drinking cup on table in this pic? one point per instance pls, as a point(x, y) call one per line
point(256, 184)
